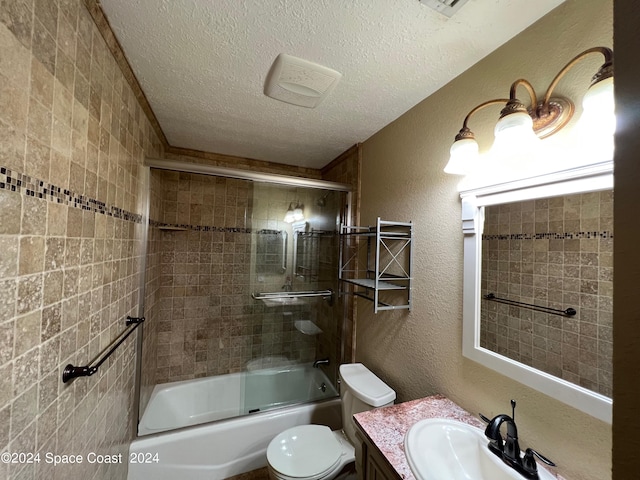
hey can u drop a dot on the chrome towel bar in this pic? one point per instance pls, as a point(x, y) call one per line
point(307, 293)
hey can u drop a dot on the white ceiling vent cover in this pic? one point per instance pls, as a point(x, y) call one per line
point(445, 7)
point(300, 82)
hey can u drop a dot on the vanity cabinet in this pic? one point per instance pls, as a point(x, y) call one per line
point(381, 434)
point(371, 464)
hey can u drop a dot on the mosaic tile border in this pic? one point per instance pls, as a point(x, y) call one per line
point(208, 228)
point(549, 236)
point(199, 228)
point(33, 187)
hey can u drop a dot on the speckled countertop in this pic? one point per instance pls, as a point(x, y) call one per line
point(386, 427)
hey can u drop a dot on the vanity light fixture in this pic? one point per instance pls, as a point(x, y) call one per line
point(520, 128)
point(294, 214)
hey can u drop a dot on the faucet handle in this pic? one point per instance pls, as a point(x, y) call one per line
point(483, 418)
point(529, 461)
point(542, 458)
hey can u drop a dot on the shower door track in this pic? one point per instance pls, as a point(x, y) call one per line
point(246, 174)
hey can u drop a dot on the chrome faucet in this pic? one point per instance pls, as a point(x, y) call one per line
point(509, 449)
point(287, 285)
point(317, 363)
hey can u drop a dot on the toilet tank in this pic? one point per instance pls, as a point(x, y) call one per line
point(361, 390)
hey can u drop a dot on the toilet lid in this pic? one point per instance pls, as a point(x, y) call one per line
point(304, 451)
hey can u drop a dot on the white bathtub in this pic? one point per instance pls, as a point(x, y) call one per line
point(214, 451)
point(191, 402)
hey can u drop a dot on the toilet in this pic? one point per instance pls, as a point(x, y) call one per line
point(314, 452)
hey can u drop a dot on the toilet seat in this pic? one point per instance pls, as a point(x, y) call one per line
point(311, 452)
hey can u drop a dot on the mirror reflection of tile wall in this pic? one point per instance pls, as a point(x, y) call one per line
point(555, 252)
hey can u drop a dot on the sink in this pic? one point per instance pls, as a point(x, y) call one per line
point(439, 449)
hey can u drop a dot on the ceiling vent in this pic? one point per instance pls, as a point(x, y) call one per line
point(300, 82)
point(445, 7)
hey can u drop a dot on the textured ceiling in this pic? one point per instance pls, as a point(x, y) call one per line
point(202, 65)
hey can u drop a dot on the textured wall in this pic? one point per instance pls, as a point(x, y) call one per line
point(421, 352)
point(72, 141)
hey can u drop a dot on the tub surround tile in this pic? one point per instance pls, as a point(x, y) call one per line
point(70, 229)
point(386, 427)
point(202, 270)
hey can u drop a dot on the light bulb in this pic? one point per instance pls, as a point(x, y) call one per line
point(463, 157)
point(288, 217)
point(298, 214)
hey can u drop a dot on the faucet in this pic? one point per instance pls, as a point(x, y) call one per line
point(287, 285)
point(317, 363)
point(509, 449)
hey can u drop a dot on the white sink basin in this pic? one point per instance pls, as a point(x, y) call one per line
point(439, 449)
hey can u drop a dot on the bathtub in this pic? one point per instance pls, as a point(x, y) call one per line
point(191, 402)
point(223, 448)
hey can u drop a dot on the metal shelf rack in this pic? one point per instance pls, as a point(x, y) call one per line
point(387, 266)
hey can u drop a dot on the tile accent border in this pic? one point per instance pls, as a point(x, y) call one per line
point(33, 187)
point(549, 236)
point(212, 228)
point(199, 228)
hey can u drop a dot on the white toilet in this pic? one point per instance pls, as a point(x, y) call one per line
point(314, 452)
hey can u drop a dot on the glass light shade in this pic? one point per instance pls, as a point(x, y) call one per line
point(516, 151)
point(288, 217)
point(513, 133)
point(463, 157)
point(592, 138)
point(598, 109)
point(298, 214)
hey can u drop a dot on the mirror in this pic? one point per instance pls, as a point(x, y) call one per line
point(538, 283)
point(271, 252)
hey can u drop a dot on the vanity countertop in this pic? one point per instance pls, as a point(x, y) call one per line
point(386, 427)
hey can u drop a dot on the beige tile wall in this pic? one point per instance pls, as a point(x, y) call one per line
point(152, 286)
point(73, 132)
point(207, 322)
point(555, 252)
point(72, 140)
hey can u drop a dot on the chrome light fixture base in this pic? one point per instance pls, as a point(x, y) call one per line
point(549, 118)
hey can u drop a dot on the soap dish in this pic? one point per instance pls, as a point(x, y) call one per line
point(307, 327)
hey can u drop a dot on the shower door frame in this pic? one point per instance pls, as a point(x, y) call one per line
point(178, 166)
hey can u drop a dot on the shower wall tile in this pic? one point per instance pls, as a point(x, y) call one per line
point(554, 252)
point(72, 139)
point(208, 324)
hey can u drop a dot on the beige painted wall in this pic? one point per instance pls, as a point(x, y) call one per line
point(421, 353)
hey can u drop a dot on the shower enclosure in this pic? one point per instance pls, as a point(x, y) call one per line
point(240, 298)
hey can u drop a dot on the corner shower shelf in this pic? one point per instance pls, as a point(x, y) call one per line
point(388, 264)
